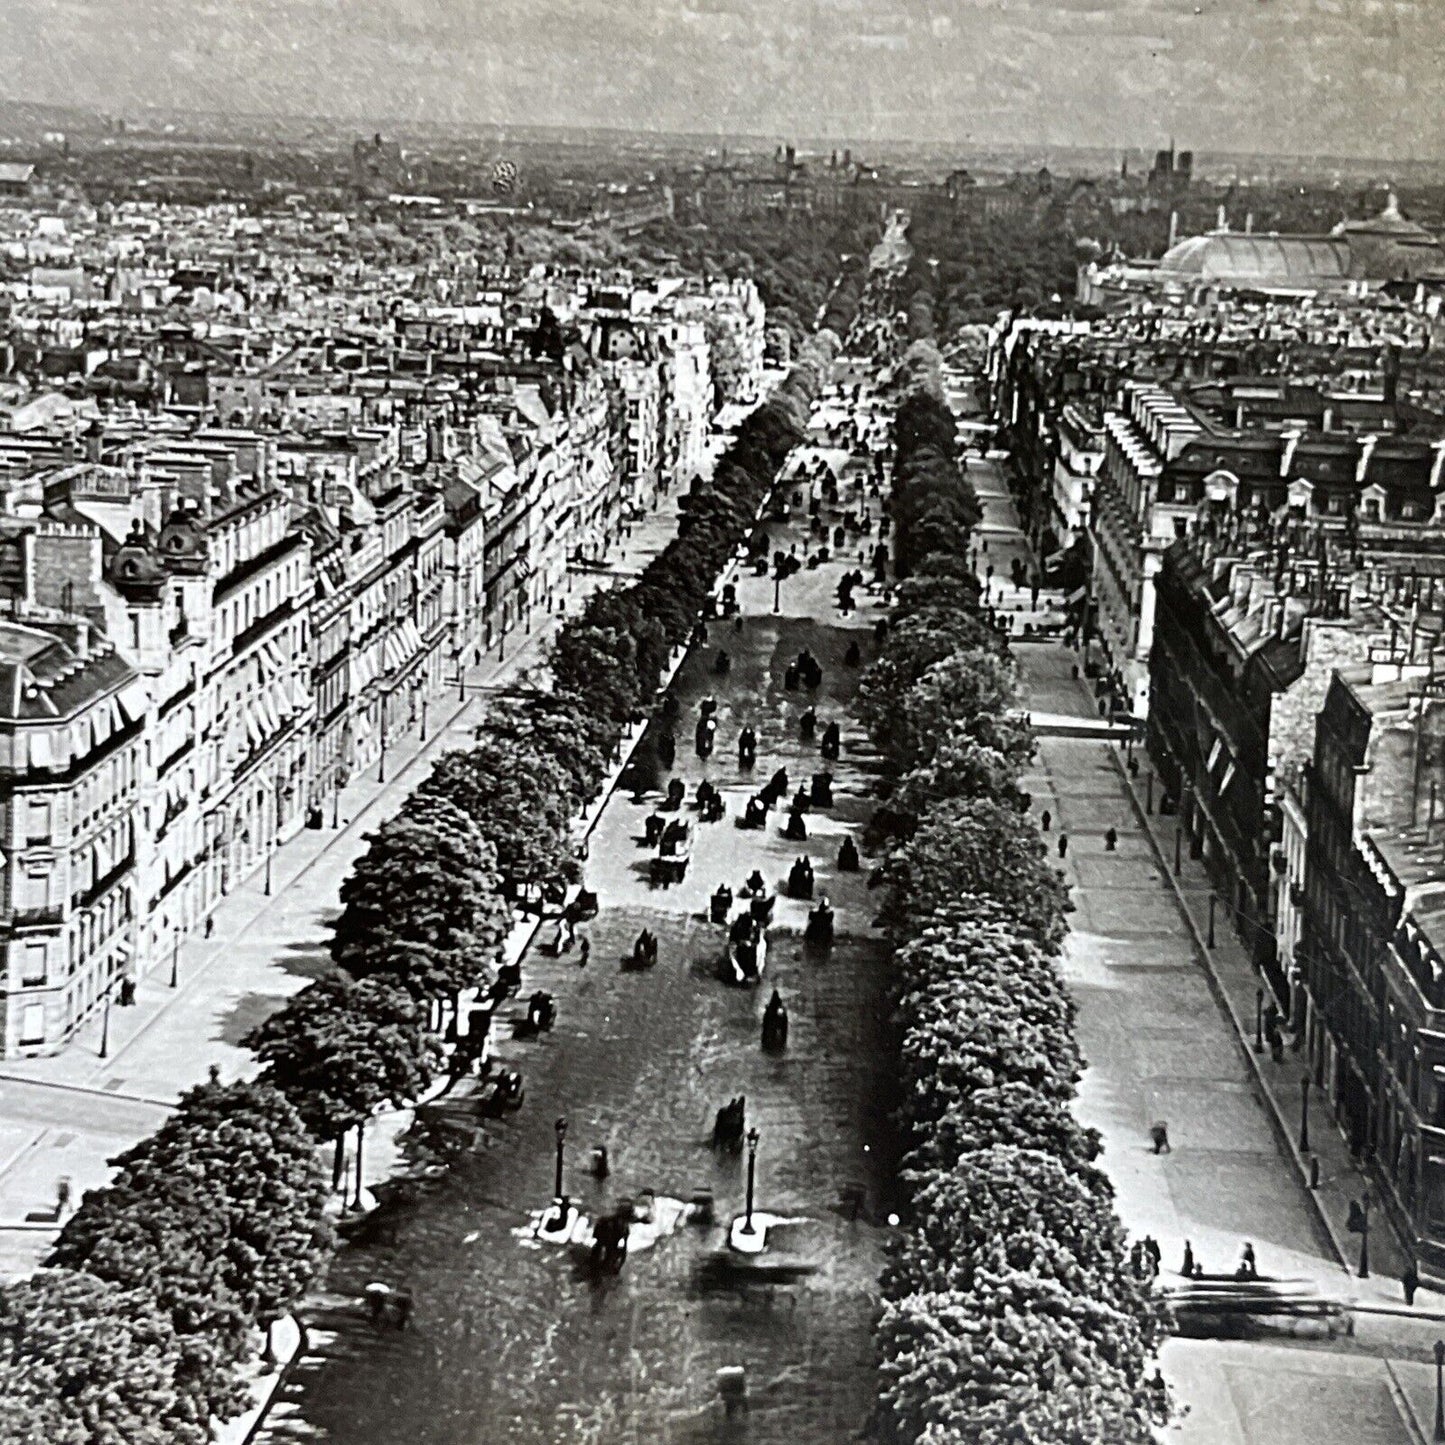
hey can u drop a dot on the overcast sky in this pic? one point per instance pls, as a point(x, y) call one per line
point(1339, 76)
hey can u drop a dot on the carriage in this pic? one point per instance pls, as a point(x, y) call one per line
point(674, 852)
point(747, 949)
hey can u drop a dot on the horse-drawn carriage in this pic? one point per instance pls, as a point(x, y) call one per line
point(800, 878)
point(747, 949)
point(674, 852)
point(582, 908)
point(710, 805)
point(820, 923)
point(501, 1094)
point(720, 904)
point(609, 1239)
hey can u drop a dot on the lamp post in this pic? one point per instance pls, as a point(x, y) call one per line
point(777, 590)
point(1439, 1434)
point(752, 1175)
point(269, 856)
point(176, 961)
point(1365, 1235)
point(1259, 1020)
point(1149, 792)
point(561, 1129)
point(1212, 901)
point(423, 719)
point(105, 1028)
point(381, 764)
point(1178, 846)
point(1304, 1114)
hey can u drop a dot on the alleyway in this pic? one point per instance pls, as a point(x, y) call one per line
point(512, 1343)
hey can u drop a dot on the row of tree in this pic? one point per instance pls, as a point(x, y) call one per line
point(1011, 1311)
point(141, 1324)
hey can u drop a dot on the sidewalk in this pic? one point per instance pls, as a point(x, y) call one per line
point(1237, 986)
point(68, 1114)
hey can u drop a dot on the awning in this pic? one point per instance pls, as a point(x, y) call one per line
point(255, 728)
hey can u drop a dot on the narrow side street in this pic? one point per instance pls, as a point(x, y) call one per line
point(1159, 1048)
point(512, 1340)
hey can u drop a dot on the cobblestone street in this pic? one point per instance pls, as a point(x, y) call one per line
point(514, 1343)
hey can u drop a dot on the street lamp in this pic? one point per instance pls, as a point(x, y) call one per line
point(269, 856)
point(176, 961)
point(1365, 1235)
point(561, 1128)
point(777, 589)
point(105, 1028)
point(1304, 1114)
point(1178, 846)
point(752, 1174)
point(1212, 901)
point(423, 719)
point(1439, 1434)
point(1259, 1020)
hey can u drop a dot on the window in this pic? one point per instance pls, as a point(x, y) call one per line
point(37, 826)
point(32, 1024)
point(32, 966)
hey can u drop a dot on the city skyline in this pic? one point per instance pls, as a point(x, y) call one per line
point(1344, 79)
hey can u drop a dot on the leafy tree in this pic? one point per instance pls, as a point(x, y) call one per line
point(969, 1365)
point(561, 725)
point(977, 846)
point(518, 799)
point(599, 664)
point(426, 885)
point(339, 1050)
point(971, 693)
point(1023, 1209)
point(85, 1362)
point(959, 768)
point(218, 1214)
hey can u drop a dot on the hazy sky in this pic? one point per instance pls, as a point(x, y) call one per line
point(1344, 76)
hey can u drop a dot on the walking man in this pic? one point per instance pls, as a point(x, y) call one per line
point(1411, 1281)
point(1063, 844)
point(584, 952)
point(1159, 1134)
point(1045, 820)
point(1111, 840)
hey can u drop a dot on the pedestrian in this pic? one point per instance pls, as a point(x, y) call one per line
point(1046, 818)
point(62, 1195)
point(1411, 1281)
point(402, 1309)
point(210, 925)
point(1151, 1246)
point(1159, 1133)
point(584, 953)
point(1111, 839)
point(1063, 844)
point(1187, 1268)
point(1034, 597)
point(1248, 1268)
